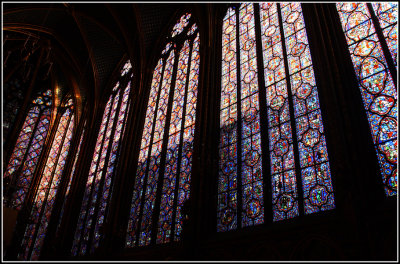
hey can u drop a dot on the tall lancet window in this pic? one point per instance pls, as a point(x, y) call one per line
point(371, 35)
point(98, 189)
point(162, 182)
point(71, 177)
point(27, 150)
point(270, 120)
point(43, 202)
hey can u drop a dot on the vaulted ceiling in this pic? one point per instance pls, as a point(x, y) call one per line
point(88, 41)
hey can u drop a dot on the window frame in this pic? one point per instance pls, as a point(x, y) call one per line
point(123, 82)
point(177, 45)
point(263, 108)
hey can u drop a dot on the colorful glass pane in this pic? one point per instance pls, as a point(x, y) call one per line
point(171, 169)
point(250, 174)
point(99, 184)
point(71, 177)
point(84, 208)
point(192, 30)
point(112, 162)
point(22, 141)
point(155, 154)
point(96, 177)
point(314, 166)
point(188, 138)
point(375, 81)
point(314, 162)
point(143, 154)
point(167, 47)
point(387, 14)
point(28, 148)
point(284, 187)
point(126, 68)
point(251, 177)
point(227, 186)
point(180, 93)
point(47, 190)
point(180, 26)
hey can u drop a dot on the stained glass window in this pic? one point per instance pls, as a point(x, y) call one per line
point(169, 122)
point(71, 177)
point(27, 150)
point(294, 133)
point(387, 16)
point(362, 25)
point(43, 202)
point(98, 189)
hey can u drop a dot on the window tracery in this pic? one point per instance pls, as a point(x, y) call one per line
point(43, 202)
point(162, 182)
point(296, 142)
point(376, 76)
point(98, 189)
point(27, 150)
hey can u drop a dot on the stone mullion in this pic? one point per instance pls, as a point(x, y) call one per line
point(120, 203)
point(105, 223)
point(117, 169)
point(74, 203)
point(52, 237)
point(357, 128)
point(142, 199)
point(385, 48)
point(300, 196)
point(104, 169)
point(18, 172)
point(239, 193)
point(19, 119)
point(28, 202)
point(164, 147)
point(182, 132)
point(360, 177)
point(211, 122)
point(51, 179)
point(23, 215)
point(94, 174)
point(263, 113)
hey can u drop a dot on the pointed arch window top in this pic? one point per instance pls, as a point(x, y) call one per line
point(28, 148)
point(371, 35)
point(43, 99)
point(162, 182)
point(69, 103)
point(99, 185)
point(116, 86)
point(192, 30)
point(126, 68)
point(183, 22)
point(167, 47)
point(49, 184)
